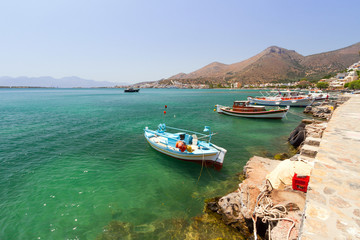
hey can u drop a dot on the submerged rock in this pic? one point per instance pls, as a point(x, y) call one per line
point(281, 156)
point(209, 225)
point(116, 230)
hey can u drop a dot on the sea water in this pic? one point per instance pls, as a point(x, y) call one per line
point(74, 160)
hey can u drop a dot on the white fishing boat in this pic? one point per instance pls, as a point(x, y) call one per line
point(243, 109)
point(317, 94)
point(283, 98)
point(186, 145)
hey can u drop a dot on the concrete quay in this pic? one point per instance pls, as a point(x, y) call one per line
point(332, 207)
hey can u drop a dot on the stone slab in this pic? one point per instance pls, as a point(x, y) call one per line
point(309, 151)
point(312, 141)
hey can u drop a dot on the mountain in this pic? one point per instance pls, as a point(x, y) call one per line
point(274, 64)
point(66, 82)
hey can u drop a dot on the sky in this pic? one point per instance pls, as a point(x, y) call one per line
point(146, 40)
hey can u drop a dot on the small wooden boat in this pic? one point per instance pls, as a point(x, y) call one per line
point(132, 90)
point(185, 145)
point(243, 109)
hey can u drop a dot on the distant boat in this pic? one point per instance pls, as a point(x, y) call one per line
point(185, 145)
point(283, 98)
point(132, 90)
point(243, 109)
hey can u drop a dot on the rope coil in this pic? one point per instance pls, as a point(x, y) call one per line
point(269, 213)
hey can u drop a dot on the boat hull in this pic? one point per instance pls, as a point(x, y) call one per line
point(279, 102)
point(271, 114)
point(131, 91)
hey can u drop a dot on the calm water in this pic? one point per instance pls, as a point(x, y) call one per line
point(73, 160)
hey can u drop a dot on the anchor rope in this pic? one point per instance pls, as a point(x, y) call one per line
point(265, 209)
point(202, 166)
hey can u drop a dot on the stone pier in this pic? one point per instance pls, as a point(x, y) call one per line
point(332, 208)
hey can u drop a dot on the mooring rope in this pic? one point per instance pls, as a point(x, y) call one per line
point(202, 166)
point(265, 209)
point(295, 113)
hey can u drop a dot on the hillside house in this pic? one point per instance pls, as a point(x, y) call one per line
point(340, 76)
point(355, 66)
point(352, 76)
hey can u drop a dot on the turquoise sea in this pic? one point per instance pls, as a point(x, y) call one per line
point(74, 160)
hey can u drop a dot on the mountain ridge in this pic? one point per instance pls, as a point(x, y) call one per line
point(47, 81)
point(274, 64)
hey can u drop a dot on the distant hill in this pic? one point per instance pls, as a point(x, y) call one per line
point(274, 64)
point(66, 82)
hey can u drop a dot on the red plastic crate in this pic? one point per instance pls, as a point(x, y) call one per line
point(300, 182)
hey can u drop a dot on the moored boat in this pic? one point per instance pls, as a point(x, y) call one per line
point(243, 109)
point(132, 90)
point(283, 98)
point(318, 95)
point(185, 145)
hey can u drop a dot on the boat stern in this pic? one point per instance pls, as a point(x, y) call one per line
point(218, 163)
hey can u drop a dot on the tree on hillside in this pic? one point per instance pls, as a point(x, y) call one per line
point(354, 84)
point(322, 85)
point(303, 83)
point(328, 76)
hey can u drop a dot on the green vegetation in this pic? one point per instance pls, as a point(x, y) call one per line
point(328, 76)
point(281, 156)
point(304, 83)
point(353, 85)
point(322, 85)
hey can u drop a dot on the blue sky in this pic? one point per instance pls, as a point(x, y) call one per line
point(134, 41)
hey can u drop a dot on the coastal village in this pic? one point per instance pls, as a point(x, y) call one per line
point(334, 82)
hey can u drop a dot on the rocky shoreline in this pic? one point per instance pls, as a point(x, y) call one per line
point(239, 209)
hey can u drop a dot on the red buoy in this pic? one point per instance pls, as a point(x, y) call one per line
point(164, 112)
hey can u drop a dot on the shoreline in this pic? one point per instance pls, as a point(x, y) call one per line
point(307, 215)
